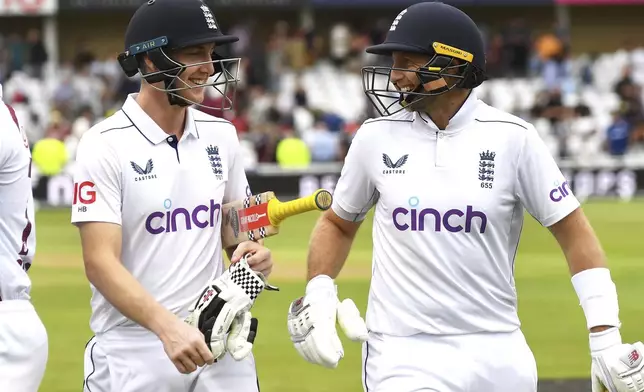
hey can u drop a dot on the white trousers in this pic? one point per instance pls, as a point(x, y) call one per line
point(23, 347)
point(498, 362)
point(138, 363)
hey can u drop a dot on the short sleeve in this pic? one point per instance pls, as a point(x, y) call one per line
point(355, 192)
point(237, 187)
point(97, 182)
point(542, 188)
point(9, 124)
point(5, 153)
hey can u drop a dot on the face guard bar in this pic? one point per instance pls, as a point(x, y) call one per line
point(222, 83)
point(431, 78)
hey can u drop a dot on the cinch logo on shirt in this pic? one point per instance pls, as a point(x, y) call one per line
point(414, 219)
point(560, 192)
point(201, 216)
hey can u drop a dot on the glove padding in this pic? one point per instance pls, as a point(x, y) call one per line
point(242, 335)
point(616, 367)
point(311, 324)
point(223, 307)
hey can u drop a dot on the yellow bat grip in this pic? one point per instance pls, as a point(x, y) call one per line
point(278, 211)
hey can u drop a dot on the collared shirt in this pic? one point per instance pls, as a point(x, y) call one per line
point(17, 228)
point(166, 194)
point(448, 215)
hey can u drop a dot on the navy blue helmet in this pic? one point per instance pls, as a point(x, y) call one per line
point(160, 27)
point(450, 39)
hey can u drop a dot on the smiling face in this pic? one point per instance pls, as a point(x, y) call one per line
point(406, 81)
point(196, 75)
point(405, 78)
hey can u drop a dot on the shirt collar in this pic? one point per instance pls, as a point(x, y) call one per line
point(147, 127)
point(462, 118)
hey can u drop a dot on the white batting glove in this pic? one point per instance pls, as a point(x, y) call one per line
point(225, 303)
point(616, 367)
point(312, 319)
point(242, 335)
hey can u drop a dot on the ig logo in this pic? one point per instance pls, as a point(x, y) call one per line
point(559, 192)
point(84, 193)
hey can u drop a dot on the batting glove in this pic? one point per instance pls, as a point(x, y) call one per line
point(312, 319)
point(616, 367)
point(242, 335)
point(223, 307)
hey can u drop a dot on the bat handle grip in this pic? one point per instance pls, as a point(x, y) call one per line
point(278, 211)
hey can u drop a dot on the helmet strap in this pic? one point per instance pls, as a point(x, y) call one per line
point(176, 99)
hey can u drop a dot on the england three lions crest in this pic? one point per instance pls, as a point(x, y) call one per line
point(215, 161)
point(486, 168)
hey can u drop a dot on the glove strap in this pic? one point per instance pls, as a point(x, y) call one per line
point(243, 276)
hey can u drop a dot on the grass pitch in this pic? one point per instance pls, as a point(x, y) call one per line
point(552, 320)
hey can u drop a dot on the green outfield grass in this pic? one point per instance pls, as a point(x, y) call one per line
point(552, 321)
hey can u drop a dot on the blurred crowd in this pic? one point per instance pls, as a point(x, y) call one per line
point(301, 95)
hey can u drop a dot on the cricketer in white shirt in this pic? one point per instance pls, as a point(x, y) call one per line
point(449, 212)
point(23, 338)
point(447, 223)
point(449, 177)
point(166, 194)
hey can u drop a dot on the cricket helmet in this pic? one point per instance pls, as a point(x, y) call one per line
point(160, 27)
point(447, 35)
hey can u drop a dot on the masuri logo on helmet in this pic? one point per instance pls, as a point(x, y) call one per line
point(447, 50)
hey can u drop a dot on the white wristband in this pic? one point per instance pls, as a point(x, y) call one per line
point(605, 339)
point(320, 287)
point(597, 296)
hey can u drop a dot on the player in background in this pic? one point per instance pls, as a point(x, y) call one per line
point(149, 186)
point(23, 338)
point(449, 177)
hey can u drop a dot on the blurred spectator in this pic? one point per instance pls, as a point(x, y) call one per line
point(17, 53)
point(64, 96)
point(494, 57)
point(80, 125)
point(58, 127)
point(630, 94)
point(548, 46)
point(243, 31)
point(85, 120)
point(625, 83)
point(333, 122)
point(557, 73)
point(322, 143)
point(582, 141)
point(37, 57)
point(517, 43)
point(618, 135)
point(549, 105)
point(339, 44)
point(300, 96)
point(276, 59)
point(297, 52)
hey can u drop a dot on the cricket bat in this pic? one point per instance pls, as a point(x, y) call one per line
point(259, 216)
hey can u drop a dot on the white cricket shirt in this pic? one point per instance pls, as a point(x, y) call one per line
point(167, 197)
point(17, 229)
point(448, 215)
